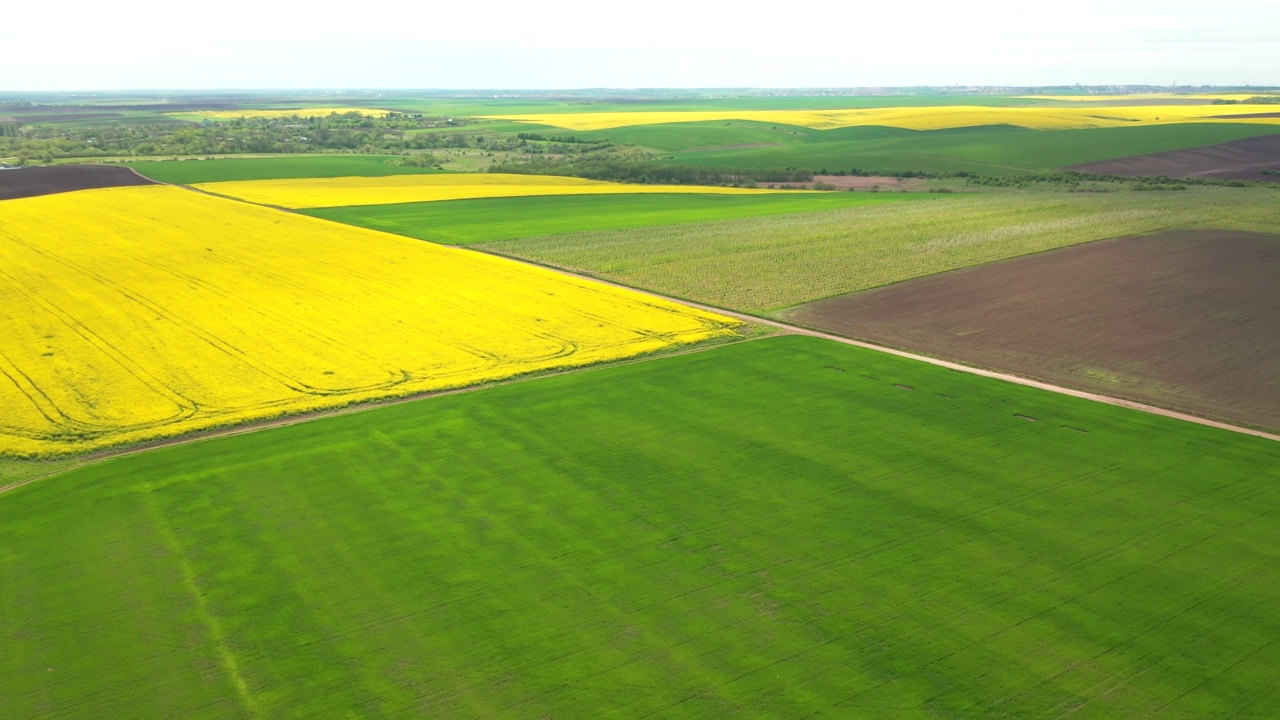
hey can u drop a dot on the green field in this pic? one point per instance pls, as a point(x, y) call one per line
point(70, 116)
point(283, 167)
point(767, 264)
point(989, 150)
point(774, 528)
point(461, 222)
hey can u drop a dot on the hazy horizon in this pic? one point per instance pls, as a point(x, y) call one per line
point(589, 92)
point(150, 46)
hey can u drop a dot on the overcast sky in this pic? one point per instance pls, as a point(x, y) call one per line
point(155, 44)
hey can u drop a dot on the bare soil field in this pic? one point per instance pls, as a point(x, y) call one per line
point(854, 182)
point(33, 181)
point(1141, 102)
point(1248, 116)
point(1235, 160)
point(53, 117)
point(1183, 319)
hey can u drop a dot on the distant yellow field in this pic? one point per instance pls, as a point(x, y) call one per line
point(299, 112)
point(921, 118)
point(129, 314)
point(339, 192)
point(1140, 96)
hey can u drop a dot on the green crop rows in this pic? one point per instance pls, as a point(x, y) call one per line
point(782, 527)
point(462, 222)
point(765, 264)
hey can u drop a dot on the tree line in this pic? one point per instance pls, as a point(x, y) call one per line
point(650, 173)
point(397, 133)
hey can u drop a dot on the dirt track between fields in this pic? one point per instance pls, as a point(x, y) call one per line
point(1236, 160)
point(792, 328)
point(1183, 319)
point(52, 179)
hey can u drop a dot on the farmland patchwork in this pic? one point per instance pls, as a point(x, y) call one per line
point(925, 118)
point(344, 191)
point(769, 263)
point(130, 314)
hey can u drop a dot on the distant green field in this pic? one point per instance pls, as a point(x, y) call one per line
point(71, 116)
point(782, 528)
point(461, 222)
point(991, 150)
point(283, 167)
point(770, 263)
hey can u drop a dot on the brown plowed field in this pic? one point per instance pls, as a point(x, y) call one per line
point(856, 182)
point(54, 117)
point(1186, 319)
point(1247, 116)
point(33, 181)
point(1236, 160)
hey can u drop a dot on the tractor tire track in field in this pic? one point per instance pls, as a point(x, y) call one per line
point(186, 406)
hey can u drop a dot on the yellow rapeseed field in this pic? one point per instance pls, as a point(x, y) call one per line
point(344, 191)
point(128, 314)
point(299, 112)
point(922, 118)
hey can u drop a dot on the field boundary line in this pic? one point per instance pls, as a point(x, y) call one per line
point(132, 170)
point(295, 419)
point(939, 362)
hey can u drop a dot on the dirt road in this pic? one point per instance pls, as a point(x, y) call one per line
point(798, 330)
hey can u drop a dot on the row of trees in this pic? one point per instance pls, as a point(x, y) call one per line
point(650, 173)
point(562, 139)
point(1062, 177)
point(1257, 100)
point(347, 132)
point(1073, 178)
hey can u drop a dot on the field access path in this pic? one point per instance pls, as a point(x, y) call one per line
point(1016, 379)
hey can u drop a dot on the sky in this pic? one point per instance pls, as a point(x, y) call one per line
point(243, 44)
